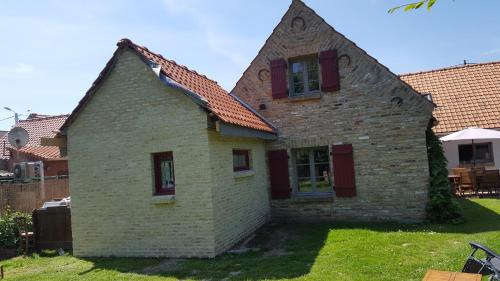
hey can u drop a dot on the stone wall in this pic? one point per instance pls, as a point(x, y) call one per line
point(388, 136)
point(114, 212)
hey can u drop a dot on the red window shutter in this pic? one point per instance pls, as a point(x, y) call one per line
point(278, 79)
point(343, 170)
point(278, 170)
point(329, 71)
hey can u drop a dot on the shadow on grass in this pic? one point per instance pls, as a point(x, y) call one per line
point(275, 254)
point(282, 251)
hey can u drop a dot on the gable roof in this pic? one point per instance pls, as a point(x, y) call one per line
point(215, 99)
point(302, 5)
point(467, 96)
point(37, 128)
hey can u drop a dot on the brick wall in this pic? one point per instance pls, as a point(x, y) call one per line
point(114, 212)
point(50, 167)
point(25, 197)
point(388, 139)
point(240, 199)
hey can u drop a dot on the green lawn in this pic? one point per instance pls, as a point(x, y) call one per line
point(299, 252)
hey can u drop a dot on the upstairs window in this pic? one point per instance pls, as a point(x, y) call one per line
point(163, 164)
point(313, 170)
point(241, 160)
point(304, 75)
point(483, 153)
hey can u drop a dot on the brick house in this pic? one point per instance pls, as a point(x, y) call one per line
point(38, 127)
point(467, 96)
point(315, 129)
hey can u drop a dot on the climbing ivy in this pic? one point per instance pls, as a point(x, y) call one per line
point(440, 208)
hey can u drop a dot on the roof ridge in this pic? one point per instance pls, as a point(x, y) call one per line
point(126, 41)
point(449, 68)
point(44, 118)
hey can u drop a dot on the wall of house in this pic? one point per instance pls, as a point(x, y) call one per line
point(388, 138)
point(451, 153)
point(241, 202)
point(114, 212)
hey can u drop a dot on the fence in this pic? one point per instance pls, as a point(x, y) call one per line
point(25, 197)
point(52, 228)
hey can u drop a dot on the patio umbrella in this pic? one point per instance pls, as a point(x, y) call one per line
point(472, 134)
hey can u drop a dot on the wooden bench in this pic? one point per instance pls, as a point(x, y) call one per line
point(436, 275)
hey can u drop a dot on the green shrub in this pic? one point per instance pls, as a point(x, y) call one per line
point(9, 228)
point(440, 208)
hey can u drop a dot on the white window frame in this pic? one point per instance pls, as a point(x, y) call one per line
point(303, 61)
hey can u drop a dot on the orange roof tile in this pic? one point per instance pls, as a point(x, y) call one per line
point(466, 96)
point(37, 128)
point(44, 152)
point(224, 106)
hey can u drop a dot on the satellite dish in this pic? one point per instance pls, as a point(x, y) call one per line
point(18, 137)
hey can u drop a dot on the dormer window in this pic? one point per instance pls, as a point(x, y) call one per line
point(304, 76)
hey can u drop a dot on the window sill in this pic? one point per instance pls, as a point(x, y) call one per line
point(305, 97)
point(313, 198)
point(243, 174)
point(163, 199)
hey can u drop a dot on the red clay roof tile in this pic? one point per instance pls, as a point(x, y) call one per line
point(467, 96)
point(37, 128)
point(223, 105)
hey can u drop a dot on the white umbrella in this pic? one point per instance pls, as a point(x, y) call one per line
point(472, 134)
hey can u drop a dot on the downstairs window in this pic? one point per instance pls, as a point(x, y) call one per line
point(313, 170)
point(163, 166)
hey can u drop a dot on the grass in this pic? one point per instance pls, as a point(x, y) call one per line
point(347, 251)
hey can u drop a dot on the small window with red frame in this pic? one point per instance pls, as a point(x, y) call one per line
point(163, 163)
point(241, 160)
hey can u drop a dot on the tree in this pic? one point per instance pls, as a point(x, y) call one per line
point(440, 208)
point(414, 6)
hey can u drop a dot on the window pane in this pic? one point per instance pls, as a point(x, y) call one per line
point(323, 184)
point(303, 171)
point(297, 67)
point(240, 160)
point(465, 153)
point(305, 185)
point(167, 174)
point(321, 155)
point(298, 77)
point(302, 157)
point(483, 152)
point(321, 170)
point(312, 75)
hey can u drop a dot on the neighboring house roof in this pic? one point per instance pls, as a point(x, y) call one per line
point(466, 96)
point(44, 152)
point(224, 106)
point(37, 127)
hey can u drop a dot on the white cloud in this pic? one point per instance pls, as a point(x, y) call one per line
point(491, 52)
point(15, 70)
point(230, 46)
point(23, 68)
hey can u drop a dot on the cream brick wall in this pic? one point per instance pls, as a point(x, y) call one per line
point(109, 145)
point(241, 202)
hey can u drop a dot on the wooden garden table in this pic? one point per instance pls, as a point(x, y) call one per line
point(436, 275)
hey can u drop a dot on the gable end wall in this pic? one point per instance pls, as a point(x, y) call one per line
point(388, 138)
point(109, 146)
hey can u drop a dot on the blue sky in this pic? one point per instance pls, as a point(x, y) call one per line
point(52, 51)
